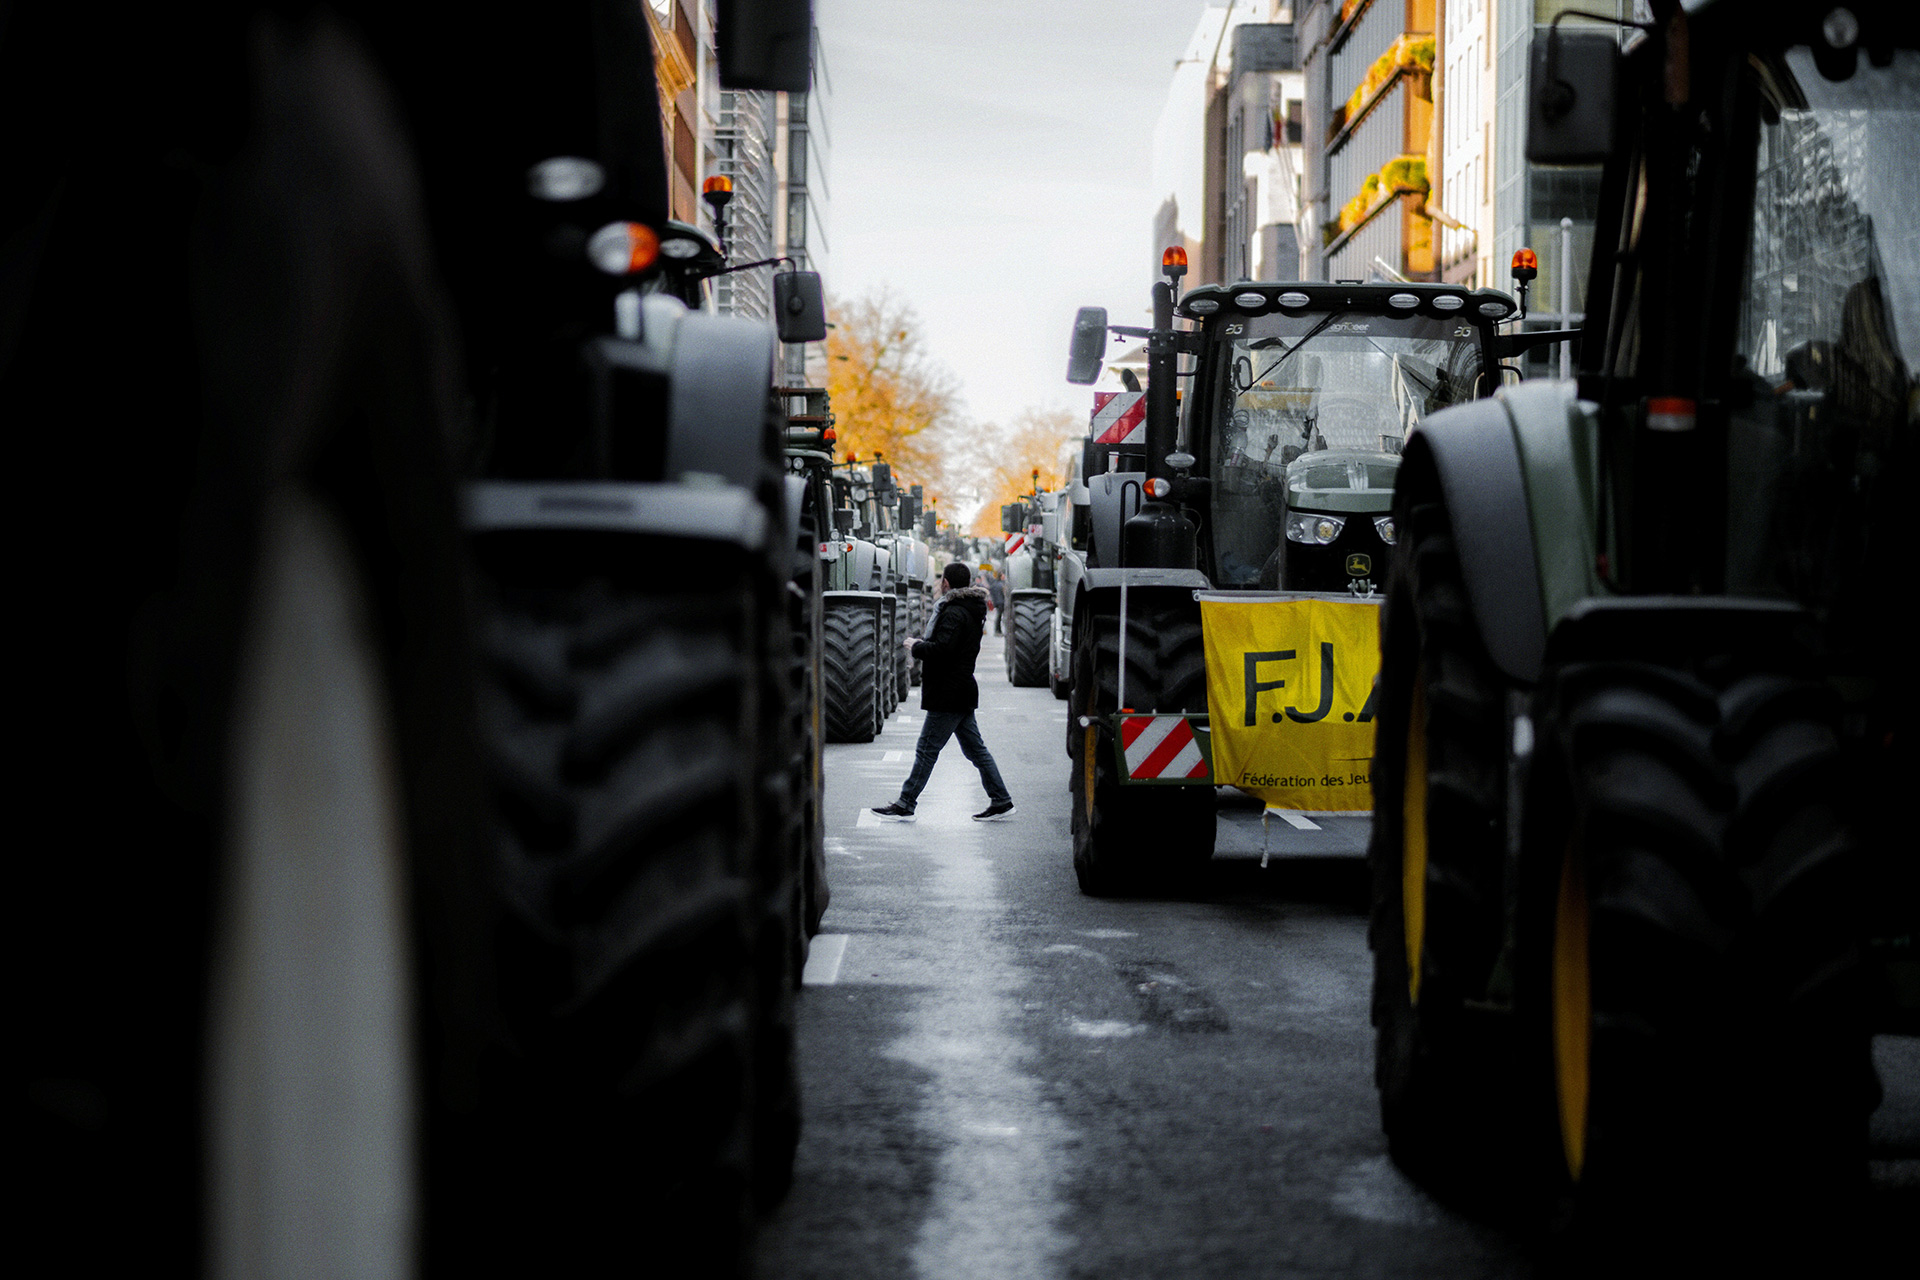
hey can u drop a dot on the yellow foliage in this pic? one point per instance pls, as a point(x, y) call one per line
point(889, 396)
point(1412, 54)
point(1005, 458)
point(1398, 175)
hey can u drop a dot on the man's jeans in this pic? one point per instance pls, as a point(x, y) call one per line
point(934, 732)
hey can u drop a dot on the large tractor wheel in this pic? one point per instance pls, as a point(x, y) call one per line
point(1706, 985)
point(1059, 675)
point(1136, 839)
point(902, 660)
point(883, 664)
point(848, 658)
point(920, 610)
point(621, 722)
point(1436, 860)
point(1029, 634)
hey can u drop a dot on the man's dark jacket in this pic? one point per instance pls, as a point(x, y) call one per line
point(948, 652)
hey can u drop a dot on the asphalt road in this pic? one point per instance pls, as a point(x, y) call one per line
point(1006, 1079)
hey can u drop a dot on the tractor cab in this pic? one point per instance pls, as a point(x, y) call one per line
point(1302, 397)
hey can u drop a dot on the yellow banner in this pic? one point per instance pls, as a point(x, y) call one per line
point(1290, 699)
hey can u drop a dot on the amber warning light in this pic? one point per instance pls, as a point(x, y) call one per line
point(1174, 261)
point(718, 182)
point(1526, 264)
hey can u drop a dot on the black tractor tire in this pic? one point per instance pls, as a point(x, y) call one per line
point(621, 723)
point(1029, 636)
point(1136, 839)
point(920, 611)
point(270, 461)
point(850, 694)
point(902, 660)
point(1443, 1068)
point(883, 658)
point(1708, 991)
point(1061, 686)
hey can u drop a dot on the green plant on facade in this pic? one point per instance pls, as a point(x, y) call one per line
point(1410, 55)
point(1402, 175)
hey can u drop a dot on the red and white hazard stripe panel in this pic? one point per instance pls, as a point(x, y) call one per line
point(1160, 747)
point(1120, 417)
point(1015, 541)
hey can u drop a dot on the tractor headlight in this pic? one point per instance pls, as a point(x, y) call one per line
point(1314, 530)
point(1383, 525)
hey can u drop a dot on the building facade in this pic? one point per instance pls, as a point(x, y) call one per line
point(1369, 117)
point(1226, 158)
point(773, 147)
point(1254, 131)
point(1415, 164)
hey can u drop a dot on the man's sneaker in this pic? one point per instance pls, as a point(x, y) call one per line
point(995, 812)
point(895, 812)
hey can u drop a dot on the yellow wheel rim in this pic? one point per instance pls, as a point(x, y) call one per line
point(1572, 1009)
point(1088, 766)
point(1413, 839)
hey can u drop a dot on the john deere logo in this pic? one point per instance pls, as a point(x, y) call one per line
point(1359, 565)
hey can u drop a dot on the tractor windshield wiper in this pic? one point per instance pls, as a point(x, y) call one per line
point(1305, 338)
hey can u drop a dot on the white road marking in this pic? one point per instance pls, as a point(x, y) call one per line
point(1298, 821)
point(1108, 933)
point(824, 955)
point(1106, 1029)
point(1376, 1191)
point(1003, 1145)
point(868, 818)
point(894, 757)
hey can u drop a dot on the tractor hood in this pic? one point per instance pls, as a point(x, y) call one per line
point(1342, 480)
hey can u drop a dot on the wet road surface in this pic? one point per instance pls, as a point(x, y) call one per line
point(1006, 1079)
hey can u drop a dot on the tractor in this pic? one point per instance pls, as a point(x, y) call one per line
point(1029, 586)
point(1296, 392)
point(1641, 892)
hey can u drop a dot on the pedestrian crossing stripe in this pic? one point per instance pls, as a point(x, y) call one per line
point(1161, 749)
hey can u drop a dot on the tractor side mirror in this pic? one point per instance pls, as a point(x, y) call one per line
point(765, 44)
point(1089, 345)
point(799, 306)
point(1013, 517)
point(1571, 96)
point(843, 519)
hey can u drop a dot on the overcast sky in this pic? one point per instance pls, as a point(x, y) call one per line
point(991, 164)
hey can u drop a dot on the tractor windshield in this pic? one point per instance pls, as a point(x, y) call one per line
point(1294, 385)
point(1833, 288)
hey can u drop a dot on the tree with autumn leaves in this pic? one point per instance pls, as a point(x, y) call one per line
point(1004, 459)
point(889, 396)
point(892, 399)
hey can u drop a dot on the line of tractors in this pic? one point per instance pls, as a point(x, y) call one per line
point(1641, 887)
point(432, 724)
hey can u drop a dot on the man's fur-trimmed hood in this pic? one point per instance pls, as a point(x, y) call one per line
point(965, 593)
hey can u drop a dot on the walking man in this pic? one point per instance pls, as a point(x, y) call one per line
point(949, 696)
point(997, 595)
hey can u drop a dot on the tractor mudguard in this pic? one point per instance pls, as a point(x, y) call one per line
point(717, 408)
point(864, 571)
point(1019, 570)
point(1102, 580)
point(1516, 474)
point(619, 507)
point(1111, 498)
point(1673, 630)
point(796, 496)
point(1099, 590)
